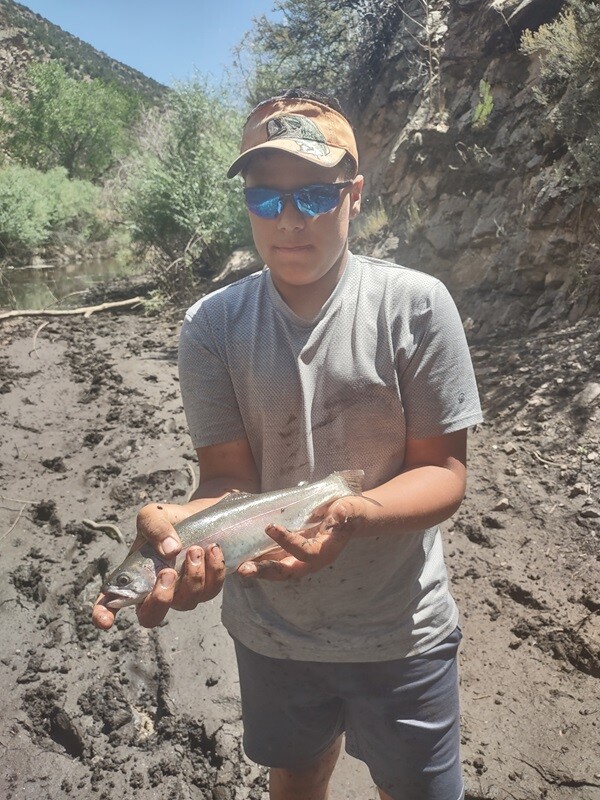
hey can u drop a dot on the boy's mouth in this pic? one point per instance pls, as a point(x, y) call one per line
point(291, 247)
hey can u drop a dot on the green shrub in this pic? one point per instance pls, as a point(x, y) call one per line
point(36, 206)
point(177, 198)
point(484, 108)
point(569, 86)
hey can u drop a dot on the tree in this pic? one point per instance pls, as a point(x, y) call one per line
point(334, 46)
point(177, 197)
point(81, 125)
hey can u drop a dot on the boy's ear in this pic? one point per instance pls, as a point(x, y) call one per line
point(355, 196)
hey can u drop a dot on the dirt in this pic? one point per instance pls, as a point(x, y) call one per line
point(93, 428)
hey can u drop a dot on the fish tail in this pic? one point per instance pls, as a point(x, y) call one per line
point(353, 479)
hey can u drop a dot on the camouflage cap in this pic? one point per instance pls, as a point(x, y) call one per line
point(304, 128)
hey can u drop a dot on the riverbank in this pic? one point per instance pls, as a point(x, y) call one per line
point(94, 428)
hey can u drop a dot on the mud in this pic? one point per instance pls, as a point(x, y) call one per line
point(93, 428)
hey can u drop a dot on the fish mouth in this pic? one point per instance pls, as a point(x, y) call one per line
point(119, 598)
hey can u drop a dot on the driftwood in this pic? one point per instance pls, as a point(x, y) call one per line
point(62, 312)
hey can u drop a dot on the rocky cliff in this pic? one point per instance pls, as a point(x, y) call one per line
point(471, 171)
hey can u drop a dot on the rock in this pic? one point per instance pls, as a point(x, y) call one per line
point(589, 393)
point(590, 513)
point(580, 488)
point(387, 248)
point(479, 765)
point(509, 448)
point(502, 505)
point(240, 263)
point(513, 471)
point(521, 430)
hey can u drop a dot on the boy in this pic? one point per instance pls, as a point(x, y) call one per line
point(327, 361)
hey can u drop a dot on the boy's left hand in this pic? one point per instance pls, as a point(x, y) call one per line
point(306, 551)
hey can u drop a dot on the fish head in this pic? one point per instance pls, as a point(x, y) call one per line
point(130, 583)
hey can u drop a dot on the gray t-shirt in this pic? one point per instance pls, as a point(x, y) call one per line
point(386, 359)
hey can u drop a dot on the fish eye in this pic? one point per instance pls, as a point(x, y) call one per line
point(123, 580)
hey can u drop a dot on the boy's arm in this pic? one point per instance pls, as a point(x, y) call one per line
point(429, 489)
point(223, 467)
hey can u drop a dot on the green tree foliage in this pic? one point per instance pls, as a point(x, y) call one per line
point(569, 49)
point(37, 207)
point(76, 124)
point(335, 46)
point(177, 197)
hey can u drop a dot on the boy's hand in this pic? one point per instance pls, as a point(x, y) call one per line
point(341, 520)
point(201, 580)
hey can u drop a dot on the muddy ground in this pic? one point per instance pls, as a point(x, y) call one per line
point(92, 428)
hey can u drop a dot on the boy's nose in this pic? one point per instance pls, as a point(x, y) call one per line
point(290, 218)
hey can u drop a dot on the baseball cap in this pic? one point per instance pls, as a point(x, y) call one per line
point(305, 128)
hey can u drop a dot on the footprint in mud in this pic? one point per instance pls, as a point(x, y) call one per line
point(564, 644)
point(45, 513)
point(49, 720)
point(107, 705)
point(29, 582)
point(517, 593)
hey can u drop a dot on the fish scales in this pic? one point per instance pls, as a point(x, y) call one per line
point(237, 524)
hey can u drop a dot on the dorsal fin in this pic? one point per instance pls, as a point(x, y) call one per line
point(234, 498)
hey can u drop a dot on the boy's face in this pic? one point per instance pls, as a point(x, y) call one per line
point(301, 250)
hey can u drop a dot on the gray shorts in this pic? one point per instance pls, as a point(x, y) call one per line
point(400, 717)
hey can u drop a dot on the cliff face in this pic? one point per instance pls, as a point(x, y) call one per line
point(471, 173)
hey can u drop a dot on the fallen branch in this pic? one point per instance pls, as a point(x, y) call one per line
point(106, 527)
point(35, 335)
point(61, 312)
point(14, 525)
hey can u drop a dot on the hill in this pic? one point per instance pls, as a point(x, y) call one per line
point(26, 37)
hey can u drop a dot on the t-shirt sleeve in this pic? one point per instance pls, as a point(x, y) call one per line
point(209, 401)
point(437, 382)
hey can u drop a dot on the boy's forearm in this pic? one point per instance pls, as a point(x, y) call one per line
point(414, 500)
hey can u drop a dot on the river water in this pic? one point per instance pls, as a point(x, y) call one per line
point(44, 287)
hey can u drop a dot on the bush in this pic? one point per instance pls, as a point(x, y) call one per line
point(570, 83)
point(177, 198)
point(35, 207)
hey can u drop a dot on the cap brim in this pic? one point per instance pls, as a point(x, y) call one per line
point(331, 159)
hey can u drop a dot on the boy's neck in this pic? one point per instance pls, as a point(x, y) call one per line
point(307, 300)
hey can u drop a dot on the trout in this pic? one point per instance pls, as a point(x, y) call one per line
point(237, 524)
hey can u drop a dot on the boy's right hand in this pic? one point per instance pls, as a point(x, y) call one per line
point(202, 576)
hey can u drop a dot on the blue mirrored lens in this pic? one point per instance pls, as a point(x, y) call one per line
point(266, 203)
point(320, 199)
point(309, 200)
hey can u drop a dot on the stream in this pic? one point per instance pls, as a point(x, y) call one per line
point(45, 286)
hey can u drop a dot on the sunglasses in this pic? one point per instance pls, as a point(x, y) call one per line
point(318, 198)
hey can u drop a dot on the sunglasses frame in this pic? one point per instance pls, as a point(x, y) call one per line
point(282, 197)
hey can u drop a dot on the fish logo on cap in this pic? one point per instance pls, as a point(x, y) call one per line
point(303, 130)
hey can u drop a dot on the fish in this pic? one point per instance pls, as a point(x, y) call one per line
point(237, 524)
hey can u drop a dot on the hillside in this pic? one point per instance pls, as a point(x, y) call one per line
point(26, 36)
